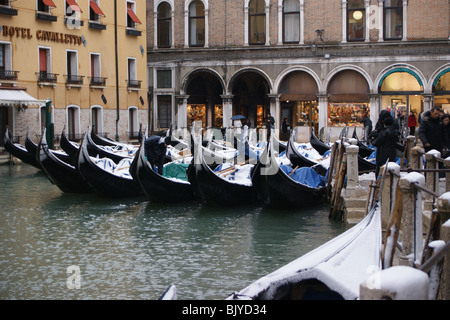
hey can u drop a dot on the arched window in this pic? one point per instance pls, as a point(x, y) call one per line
point(164, 26)
point(356, 17)
point(291, 21)
point(196, 24)
point(257, 22)
point(393, 19)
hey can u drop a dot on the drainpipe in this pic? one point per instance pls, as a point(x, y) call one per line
point(117, 71)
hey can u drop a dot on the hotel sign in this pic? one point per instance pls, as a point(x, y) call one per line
point(25, 33)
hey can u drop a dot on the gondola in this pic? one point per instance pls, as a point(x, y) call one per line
point(213, 189)
point(69, 147)
point(20, 152)
point(64, 175)
point(33, 148)
point(104, 182)
point(95, 150)
point(276, 188)
point(318, 144)
point(159, 188)
point(333, 271)
point(298, 159)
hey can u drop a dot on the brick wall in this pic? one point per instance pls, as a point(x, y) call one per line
point(426, 20)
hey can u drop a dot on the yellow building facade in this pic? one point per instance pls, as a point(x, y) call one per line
point(87, 56)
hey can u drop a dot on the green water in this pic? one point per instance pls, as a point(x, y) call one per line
point(63, 246)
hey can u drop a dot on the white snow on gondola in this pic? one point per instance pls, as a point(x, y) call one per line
point(122, 169)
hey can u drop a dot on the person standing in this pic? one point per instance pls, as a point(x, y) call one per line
point(431, 131)
point(155, 151)
point(367, 126)
point(412, 123)
point(386, 144)
point(270, 121)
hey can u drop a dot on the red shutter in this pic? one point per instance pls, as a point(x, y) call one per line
point(96, 8)
point(132, 14)
point(49, 3)
point(74, 5)
point(43, 60)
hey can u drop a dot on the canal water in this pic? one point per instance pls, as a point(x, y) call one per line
point(64, 246)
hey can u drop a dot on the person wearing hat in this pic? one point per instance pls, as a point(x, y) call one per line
point(155, 150)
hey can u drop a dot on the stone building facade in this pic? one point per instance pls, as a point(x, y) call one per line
point(313, 63)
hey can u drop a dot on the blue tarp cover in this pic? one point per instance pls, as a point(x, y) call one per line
point(305, 175)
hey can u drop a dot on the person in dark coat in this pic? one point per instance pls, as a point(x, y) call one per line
point(380, 124)
point(270, 121)
point(367, 126)
point(155, 150)
point(386, 144)
point(431, 132)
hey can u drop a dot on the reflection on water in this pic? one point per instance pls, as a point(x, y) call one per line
point(133, 249)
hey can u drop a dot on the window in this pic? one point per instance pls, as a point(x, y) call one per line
point(96, 75)
point(132, 19)
point(73, 123)
point(164, 111)
point(6, 72)
point(45, 5)
point(94, 11)
point(72, 68)
point(45, 66)
point(356, 17)
point(393, 19)
point(97, 123)
point(291, 21)
point(72, 8)
point(132, 75)
point(4, 3)
point(133, 128)
point(164, 79)
point(196, 24)
point(257, 22)
point(164, 26)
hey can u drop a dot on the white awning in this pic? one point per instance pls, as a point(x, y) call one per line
point(15, 97)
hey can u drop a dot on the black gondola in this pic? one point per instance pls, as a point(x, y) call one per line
point(64, 175)
point(97, 150)
point(157, 187)
point(296, 158)
point(69, 147)
point(212, 189)
point(105, 183)
point(275, 188)
point(20, 152)
point(318, 144)
point(33, 148)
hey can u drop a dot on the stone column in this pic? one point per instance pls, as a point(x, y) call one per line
point(374, 106)
point(432, 178)
point(275, 110)
point(415, 161)
point(227, 105)
point(428, 101)
point(182, 111)
point(411, 218)
point(323, 111)
point(352, 166)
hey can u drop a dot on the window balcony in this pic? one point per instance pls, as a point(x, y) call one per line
point(74, 80)
point(8, 75)
point(47, 79)
point(97, 82)
point(134, 85)
point(45, 16)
